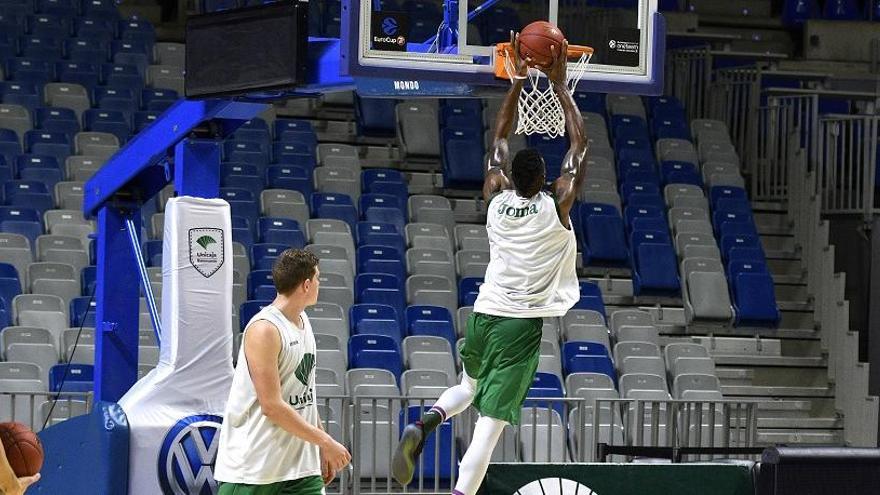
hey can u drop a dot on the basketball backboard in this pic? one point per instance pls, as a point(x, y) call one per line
point(447, 47)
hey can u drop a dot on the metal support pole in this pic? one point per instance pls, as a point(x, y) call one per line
point(197, 168)
point(145, 278)
point(116, 298)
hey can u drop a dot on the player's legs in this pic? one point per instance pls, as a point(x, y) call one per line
point(476, 460)
point(312, 485)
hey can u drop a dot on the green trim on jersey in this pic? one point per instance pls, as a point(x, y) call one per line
point(502, 355)
point(311, 485)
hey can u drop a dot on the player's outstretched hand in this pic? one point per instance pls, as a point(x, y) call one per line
point(335, 454)
point(557, 72)
point(520, 64)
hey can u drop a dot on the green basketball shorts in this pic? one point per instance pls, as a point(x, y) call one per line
point(312, 485)
point(502, 355)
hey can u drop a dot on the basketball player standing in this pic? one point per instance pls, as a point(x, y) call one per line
point(271, 441)
point(531, 275)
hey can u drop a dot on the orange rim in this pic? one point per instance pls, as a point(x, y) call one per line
point(503, 50)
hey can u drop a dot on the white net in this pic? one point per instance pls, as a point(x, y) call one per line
point(539, 109)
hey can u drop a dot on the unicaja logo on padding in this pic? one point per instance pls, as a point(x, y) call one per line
point(562, 486)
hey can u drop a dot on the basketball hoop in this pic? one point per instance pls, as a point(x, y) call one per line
point(539, 109)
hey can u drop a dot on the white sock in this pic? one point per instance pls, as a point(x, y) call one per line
point(476, 460)
point(456, 399)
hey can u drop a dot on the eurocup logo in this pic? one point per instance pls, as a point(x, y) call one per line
point(560, 486)
point(188, 454)
point(389, 26)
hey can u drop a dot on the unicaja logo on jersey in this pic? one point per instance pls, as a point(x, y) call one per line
point(562, 486)
point(188, 454)
point(304, 370)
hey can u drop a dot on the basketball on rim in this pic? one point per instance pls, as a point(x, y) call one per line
point(536, 40)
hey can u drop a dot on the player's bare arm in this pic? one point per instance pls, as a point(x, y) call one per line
point(262, 347)
point(571, 180)
point(498, 168)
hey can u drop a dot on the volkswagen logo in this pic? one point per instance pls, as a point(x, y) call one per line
point(187, 456)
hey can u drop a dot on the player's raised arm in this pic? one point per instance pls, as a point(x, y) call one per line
point(571, 180)
point(498, 166)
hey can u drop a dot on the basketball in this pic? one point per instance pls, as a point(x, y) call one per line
point(536, 39)
point(23, 448)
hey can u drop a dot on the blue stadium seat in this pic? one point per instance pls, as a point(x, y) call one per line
point(281, 231)
point(754, 294)
point(375, 351)
point(664, 128)
point(393, 216)
point(30, 71)
point(719, 192)
point(381, 259)
point(120, 77)
point(95, 29)
point(158, 99)
point(380, 234)
point(292, 177)
point(20, 93)
point(144, 119)
point(375, 116)
point(295, 131)
point(53, 26)
point(604, 234)
point(468, 290)
point(129, 52)
point(245, 151)
point(369, 176)
point(113, 122)
point(264, 255)
point(397, 189)
point(136, 30)
point(430, 320)
point(628, 188)
point(590, 102)
point(259, 278)
point(654, 263)
point(62, 8)
point(253, 183)
point(248, 309)
point(54, 144)
point(587, 357)
point(72, 378)
point(335, 206)
point(9, 288)
point(88, 280)
point(548, 386)
point(721, 218)
point(737, 228)
point(462, 163)
point(591, 298)
point(255, 130)
point(637, 216)
point(81, 70)
point(39, 48)
point(437, 461)
point(841, 10)
point(288, 154)
point(375, 319)
point(736, 205)
point(9, 145)
point(6, 173)
point(381, 288)
point(236, 194)
point(732, 243)
point(238, 168)
point(674, 172)
point(153, 253)
point(100, 9)
point(82, 312)
point(374, 200)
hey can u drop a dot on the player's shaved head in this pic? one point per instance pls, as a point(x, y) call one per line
point(528, 172)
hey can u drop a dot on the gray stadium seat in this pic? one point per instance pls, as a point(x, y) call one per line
point(650, 365)
point(427, 235)
point(664, 145)
point(692, 227)
point(608, 198)
point(582, 317)
point(359, 379)
point(43, 355)
point(432, 290)
point(704, 290)
point(330, 319)
point(542, 434)
point(417, 128)
point(438, 216)
point(427, 261)
point(637, 333)
point(332, 232)
point(43, 311)
point(678, 214)
point(379, 433)
point(677, 350)
point(24, 335)
point(326, 376)
point(285, 203)
point(599, 185)
point(623, 350)
point(328, 150)
point(684, 384)
point(99, 144)
point(470, 236)
point(632, 317)
point(581, 427)
point(69, 195)
point(16, 118)
point(692, 365)
point(338, 180)
point(589, 333)
point(15, 249)
point(472, 263)
point(334, 259)
point(461, 319)
point(18, 406)
point(165, 77)
point(336, 289)
point(84, 354)
point(425, 383)
point(332, 360)
point(633, 381)
point(577, 381)
point(728, 180)
point(63, 410)
point(173, 54)
point(699, 125)
point(82, 168)
point(67, 95)
point(675, 190)
point(690, 202)
point(437, 361)
point(425, 343)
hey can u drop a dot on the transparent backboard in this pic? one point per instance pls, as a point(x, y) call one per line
point(420, 47)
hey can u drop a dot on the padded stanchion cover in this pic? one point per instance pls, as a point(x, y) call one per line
point(175, 411)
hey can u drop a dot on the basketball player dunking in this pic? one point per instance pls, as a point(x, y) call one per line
point(272, 442)
point(531, 275)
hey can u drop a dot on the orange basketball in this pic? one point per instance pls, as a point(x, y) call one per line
point(536, 39)
point(23, 448)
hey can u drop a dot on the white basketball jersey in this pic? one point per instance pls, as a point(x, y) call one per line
point(252, 449)
point(532, 269)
